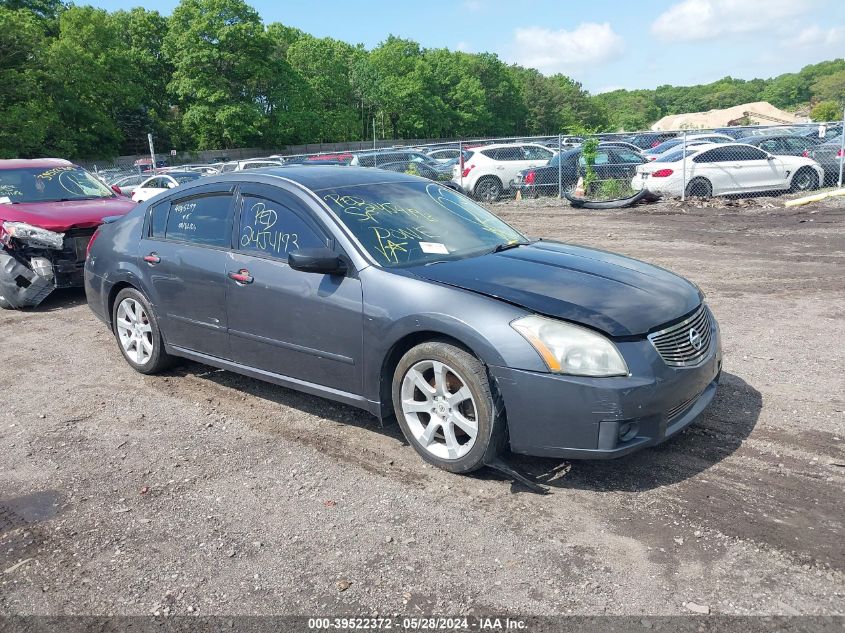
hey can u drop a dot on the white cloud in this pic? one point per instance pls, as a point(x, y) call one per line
point(816, 37)
point(463, 47)
point(561, 51)
point(707, 19)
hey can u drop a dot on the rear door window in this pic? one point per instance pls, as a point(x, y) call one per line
point(203, 219)
point(510, 153)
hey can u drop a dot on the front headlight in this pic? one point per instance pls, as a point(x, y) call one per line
point(34, 235)
point(570, 349)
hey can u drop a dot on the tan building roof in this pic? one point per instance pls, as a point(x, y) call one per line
point(760, 112)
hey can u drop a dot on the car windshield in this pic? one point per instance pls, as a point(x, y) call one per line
point(409, 223)
point(53, 184)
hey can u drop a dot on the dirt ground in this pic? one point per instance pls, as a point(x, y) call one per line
point(204, 492)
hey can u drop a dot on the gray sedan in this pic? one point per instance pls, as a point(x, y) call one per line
point(402, 297)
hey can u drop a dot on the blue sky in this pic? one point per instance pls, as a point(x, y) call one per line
point(601, 43)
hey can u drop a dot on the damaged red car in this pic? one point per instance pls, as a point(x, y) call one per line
point(49, 209)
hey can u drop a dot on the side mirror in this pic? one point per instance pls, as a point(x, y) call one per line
point(770, 157)
point(117, 190)
point(317, 260)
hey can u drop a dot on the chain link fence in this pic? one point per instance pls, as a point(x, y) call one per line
point(606, 169)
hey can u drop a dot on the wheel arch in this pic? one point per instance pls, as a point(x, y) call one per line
point(112, 297)
point(401, 347)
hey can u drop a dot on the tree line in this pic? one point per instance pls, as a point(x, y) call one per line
point(81, 82)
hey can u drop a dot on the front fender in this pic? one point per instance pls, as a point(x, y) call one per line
point(399, 307)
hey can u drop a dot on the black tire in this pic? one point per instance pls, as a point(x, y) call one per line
point(488, 189)
point(491, 436)
point(805, 179)
point(699, 188)
point(159, 359)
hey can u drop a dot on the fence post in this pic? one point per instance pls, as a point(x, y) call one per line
point(461, 163)
point(684, 169)
point(559, 167)
point(842, 151)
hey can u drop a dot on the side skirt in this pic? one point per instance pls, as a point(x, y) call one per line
point(278, 379)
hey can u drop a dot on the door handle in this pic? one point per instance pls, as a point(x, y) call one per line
point(242, 277)
point(152, 258)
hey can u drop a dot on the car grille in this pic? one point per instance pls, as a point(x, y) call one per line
point(685, 343)
point(682, 407)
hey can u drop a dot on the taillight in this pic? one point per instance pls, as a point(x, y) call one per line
point(466, 171)
point(652, 158)
point(655, 144)
point(91, 243)
point(662, 173)
point(840, 154)
point(529, 178)
point(806, 153)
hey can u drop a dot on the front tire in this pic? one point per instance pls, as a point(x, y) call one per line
point(805, 179)
point(137, 333)
point(447, 408)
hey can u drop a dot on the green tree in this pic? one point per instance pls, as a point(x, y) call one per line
point(142, 33)
point(826, 111)
point(90, 78)
point(220, 54)
point(26, 109)
point(324, 64)
point(830, 88)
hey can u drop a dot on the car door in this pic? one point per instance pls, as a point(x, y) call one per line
point(623, 164)
point(183, 257)
point(507, 163)
point(756, 170)
point(302, 325)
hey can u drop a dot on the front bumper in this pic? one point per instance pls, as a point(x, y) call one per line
point(552, 415)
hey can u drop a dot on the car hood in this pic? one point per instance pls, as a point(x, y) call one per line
point(615, 294)
point(63, 216)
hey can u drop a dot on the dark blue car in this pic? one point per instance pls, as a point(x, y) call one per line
point(403, 297)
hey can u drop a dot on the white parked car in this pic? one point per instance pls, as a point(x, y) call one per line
point(253, 163)
point(154, 185)
point(127, 185)
point(488, 171)
point(727, 168)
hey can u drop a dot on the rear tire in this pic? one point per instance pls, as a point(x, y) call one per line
point(138, 336)
point(805, 179)
point(488, 189)
point(447, 408)
point(699, 188)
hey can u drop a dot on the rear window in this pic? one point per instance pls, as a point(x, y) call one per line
point(200, 220)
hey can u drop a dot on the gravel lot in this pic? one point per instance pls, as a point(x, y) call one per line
point(200, 491)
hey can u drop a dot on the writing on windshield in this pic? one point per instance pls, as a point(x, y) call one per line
point(411, 222)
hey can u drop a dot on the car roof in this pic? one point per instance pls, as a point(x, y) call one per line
point(33, 163)
point(515, 143)
point(318, 177)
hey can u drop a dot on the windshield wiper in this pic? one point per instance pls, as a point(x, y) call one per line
point(506, 246)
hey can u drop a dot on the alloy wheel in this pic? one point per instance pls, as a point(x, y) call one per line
point(439, 409)
point(134, 330)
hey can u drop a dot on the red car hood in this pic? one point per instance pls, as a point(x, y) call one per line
point(63, 216)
